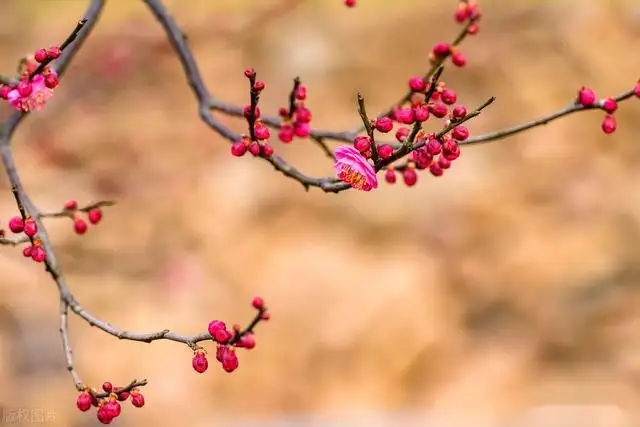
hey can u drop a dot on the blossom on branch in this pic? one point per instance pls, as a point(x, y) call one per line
point(32, 95)
point(354, 169)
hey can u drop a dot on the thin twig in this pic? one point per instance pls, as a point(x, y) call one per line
point(404, 151)
point(12, 242)
point(366, 122)
point(69, 213)
point(433, 86)
point(9, 81)
point(573, 108)
point(292, 97)
point(66, 345)
point(324, 147)
point(70, 39)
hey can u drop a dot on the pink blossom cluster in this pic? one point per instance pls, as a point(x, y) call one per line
point(36, 84)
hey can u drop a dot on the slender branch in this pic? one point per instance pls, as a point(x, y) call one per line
point(16, 194)
point(13, 242)
point(66, 344)
point(427, 97)
point(148, 337)
point(573, 108)
point(324, 147)
point(68, 301)
point(366, 122)
point(230, 109)
point(253, 104)
point(9, 81)
point(70, 39)
point(67, 213)
point(406, 149)
point(292, 97)
point(466, 118)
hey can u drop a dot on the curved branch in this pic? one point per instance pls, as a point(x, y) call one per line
point(25, 205)
point(29, 210)
point(206, 101)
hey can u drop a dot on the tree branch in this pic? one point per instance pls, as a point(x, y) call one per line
point(573, 108)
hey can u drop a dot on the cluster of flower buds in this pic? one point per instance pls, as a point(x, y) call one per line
point(29, 228)
point(228, 340)
point(257, 142)
point(433, 152)
point(80, 226)
point(467, 14)
point(296, 120)
point(108, 402)
point(36, 84)
point(297, 117)
point(587, 98)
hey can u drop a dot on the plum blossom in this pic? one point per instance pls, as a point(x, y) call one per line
point(23, 99)
point(352, 168)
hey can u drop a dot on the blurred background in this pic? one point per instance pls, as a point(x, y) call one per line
point(508, 284)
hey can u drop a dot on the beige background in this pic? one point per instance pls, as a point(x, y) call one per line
point(510, 282)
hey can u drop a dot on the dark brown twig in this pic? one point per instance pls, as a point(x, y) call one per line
point(366, 122)
point(70, 39)
point(292, 97)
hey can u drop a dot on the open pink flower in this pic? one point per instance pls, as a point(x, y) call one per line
point(35, 99)
point(354, 169)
